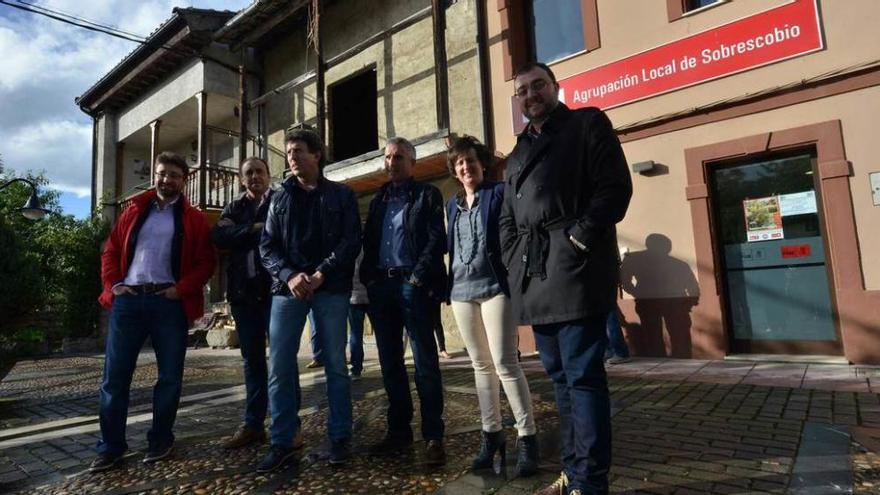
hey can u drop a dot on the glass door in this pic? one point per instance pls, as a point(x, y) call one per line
point(772, 252)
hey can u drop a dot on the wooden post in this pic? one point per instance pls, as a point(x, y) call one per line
point(154, 148)
point(242, 111)
point(319, 72)
point(441, 72)
point(202, 104)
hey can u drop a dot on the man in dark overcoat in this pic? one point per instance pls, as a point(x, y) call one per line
point(567, 186)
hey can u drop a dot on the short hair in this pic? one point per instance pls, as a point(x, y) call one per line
point(312, 140)
point(254, 159)
point(461, 146)
point(403, 142)
point(535, 65)
point(171, 158)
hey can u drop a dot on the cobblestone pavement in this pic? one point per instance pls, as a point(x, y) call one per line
point(680, 426)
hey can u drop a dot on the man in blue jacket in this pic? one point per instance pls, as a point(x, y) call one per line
point(309, 245)
point(403, 269)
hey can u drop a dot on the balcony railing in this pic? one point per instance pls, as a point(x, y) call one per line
point(221, 187)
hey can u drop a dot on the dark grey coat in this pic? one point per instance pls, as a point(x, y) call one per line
point(570, 180)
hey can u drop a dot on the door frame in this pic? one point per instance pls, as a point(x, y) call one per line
point(851, 302)
point(824, 347)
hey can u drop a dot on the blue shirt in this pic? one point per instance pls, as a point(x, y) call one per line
point(393, 249)
point(151, 263)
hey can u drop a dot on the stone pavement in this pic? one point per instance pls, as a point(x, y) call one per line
point(680, 426)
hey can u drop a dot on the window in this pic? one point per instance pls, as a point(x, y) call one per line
point(557, 28)
point(676, 9)
point(690, 5)
point(354, 126)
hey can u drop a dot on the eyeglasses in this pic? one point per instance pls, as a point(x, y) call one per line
point(167, 175)
point(536, 86)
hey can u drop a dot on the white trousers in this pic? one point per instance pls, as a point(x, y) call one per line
point(490, 336)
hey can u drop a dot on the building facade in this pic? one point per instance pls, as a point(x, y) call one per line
point(749, 129)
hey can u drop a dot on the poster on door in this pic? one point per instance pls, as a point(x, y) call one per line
point(763, 219)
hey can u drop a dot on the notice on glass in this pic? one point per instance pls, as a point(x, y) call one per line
point(763, 219)
point(797, 203)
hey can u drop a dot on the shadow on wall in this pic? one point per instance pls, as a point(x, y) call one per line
point(665, 291)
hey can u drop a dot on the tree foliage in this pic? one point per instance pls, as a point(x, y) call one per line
point(50, 263)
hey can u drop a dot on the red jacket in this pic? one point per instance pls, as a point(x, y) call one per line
point(196, 254)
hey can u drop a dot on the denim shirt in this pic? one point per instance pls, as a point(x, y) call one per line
point(393, 249)
point(471, 272)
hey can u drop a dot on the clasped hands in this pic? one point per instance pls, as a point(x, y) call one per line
point(303, 286)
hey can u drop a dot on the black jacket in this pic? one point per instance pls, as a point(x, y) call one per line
point(571, 180)
point(491, 199)
point(240, 239)
point(340, 236)
point(425, 235)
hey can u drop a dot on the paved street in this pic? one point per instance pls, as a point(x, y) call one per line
point(680, 426)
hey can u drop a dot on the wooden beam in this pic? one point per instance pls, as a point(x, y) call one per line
point(319, 73)
point(242, 110)
point(441, 70)
point(202, 104)
point(154, 148)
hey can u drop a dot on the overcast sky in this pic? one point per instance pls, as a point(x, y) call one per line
point(45, 64)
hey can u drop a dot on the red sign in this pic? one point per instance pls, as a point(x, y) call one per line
point(800, 251)
point(777, 34)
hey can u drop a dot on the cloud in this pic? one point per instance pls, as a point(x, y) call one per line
point(46, 64)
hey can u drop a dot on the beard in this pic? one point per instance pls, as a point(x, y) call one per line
point(537, 108)
point(167, 192)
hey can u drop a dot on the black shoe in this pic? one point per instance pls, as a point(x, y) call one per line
point(391, 444)
point(104, 462)
point(490, 442)
point(276, 458)
point(340, 451)
point(157, 454)
point(527, 455)
point(435, 453)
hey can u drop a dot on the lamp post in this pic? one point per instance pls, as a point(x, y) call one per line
point(32, 210)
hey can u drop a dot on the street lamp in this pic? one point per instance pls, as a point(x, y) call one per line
point(32, 210)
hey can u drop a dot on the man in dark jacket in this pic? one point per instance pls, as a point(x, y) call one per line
point(403, 269)
point(309, 245)
point(154, 266)
point(567, 186)
point(238, 231)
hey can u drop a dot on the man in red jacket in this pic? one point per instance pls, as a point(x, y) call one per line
point(154, 265)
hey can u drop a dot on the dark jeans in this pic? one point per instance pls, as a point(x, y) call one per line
point(396, 304)
point(132, 319)
point(438, 326)
point(572, 353)
point(616, 342)
point(252, 326)
point(356, 315)
point(314, 341)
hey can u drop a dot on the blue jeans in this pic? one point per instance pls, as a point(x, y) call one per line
point(313, 340)
point(132, 319)
point(616, 342)
point(573, 355)
point(285, 330)
point(356, 314)
point(395, 304)
point(252, 325)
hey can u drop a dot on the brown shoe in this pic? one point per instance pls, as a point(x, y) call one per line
point(435, 453)
point(314, 364)
point(556, 488)
point(245, 436)
point(298, 440)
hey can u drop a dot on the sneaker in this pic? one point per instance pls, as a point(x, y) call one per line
point(558, 487)
point(104, 462)
point(617, 360)
point(314, 364)
point(276, 458)
point(245, 436)
point(340, 451)
point(355, 376)
point(391, 444)
point(435, 453)
point(157, 454)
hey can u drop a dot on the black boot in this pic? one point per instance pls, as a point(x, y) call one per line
point(527, 455)
point(489, 444)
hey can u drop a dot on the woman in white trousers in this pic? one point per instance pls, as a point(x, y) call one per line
point(480, 301)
